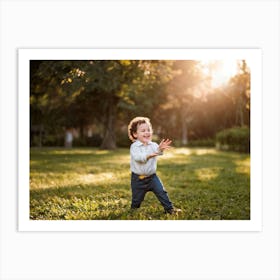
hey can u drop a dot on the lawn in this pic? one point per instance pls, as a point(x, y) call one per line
point(93, 184)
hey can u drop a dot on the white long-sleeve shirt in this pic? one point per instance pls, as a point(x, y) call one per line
point(138, 158)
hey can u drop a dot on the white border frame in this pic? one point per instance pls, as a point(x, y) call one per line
point(254, 56)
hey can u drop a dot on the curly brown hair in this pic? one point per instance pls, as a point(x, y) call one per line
point(133, 125)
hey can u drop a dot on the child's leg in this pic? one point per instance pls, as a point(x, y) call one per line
point(158, 189)
point(138, 191)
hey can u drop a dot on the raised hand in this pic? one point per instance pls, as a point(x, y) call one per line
point(165, 144)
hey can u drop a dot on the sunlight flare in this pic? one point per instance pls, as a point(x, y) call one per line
point(220, 71)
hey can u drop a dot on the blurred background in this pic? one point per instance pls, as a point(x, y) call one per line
point(89, 103)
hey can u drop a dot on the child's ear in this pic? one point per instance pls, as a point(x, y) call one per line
point(134, 135)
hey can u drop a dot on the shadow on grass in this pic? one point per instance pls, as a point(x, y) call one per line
point(67, 160)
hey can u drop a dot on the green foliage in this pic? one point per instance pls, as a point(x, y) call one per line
point(92, 184)
point(53, 141)
point(80, 93)
point(94, 141)
point(202, 143)
point(123, 140)
point(176, 95)
point(234, 139)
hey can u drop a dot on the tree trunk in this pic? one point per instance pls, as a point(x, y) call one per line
point(240, 113)
point(109, 141)
point(241, 104)
point(184, 133)
point(184, 129)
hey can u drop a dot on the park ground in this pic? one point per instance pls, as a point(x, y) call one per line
point(94, 184)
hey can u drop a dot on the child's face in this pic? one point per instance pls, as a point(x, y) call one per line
point(143, 133)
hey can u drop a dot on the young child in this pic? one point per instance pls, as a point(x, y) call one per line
point(143, 164)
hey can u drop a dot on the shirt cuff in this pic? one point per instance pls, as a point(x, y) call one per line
point(159, 152)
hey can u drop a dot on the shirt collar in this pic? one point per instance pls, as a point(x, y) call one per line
point(139, 143)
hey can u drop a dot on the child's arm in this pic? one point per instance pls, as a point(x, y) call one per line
point(139, 156)
point(153, 155)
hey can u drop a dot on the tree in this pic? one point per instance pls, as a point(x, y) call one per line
point(45, 97)
point(79, 92)
point(240, 89)
point(122, 84)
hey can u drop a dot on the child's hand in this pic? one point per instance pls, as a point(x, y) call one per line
point(165, 144)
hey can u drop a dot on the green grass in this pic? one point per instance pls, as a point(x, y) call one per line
point(92, 184)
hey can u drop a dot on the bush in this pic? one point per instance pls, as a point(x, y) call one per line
point(94, 141)
point(123, 141)
point(53, 141)
point(234, 139)
point(79, 142)
point(202, 143)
